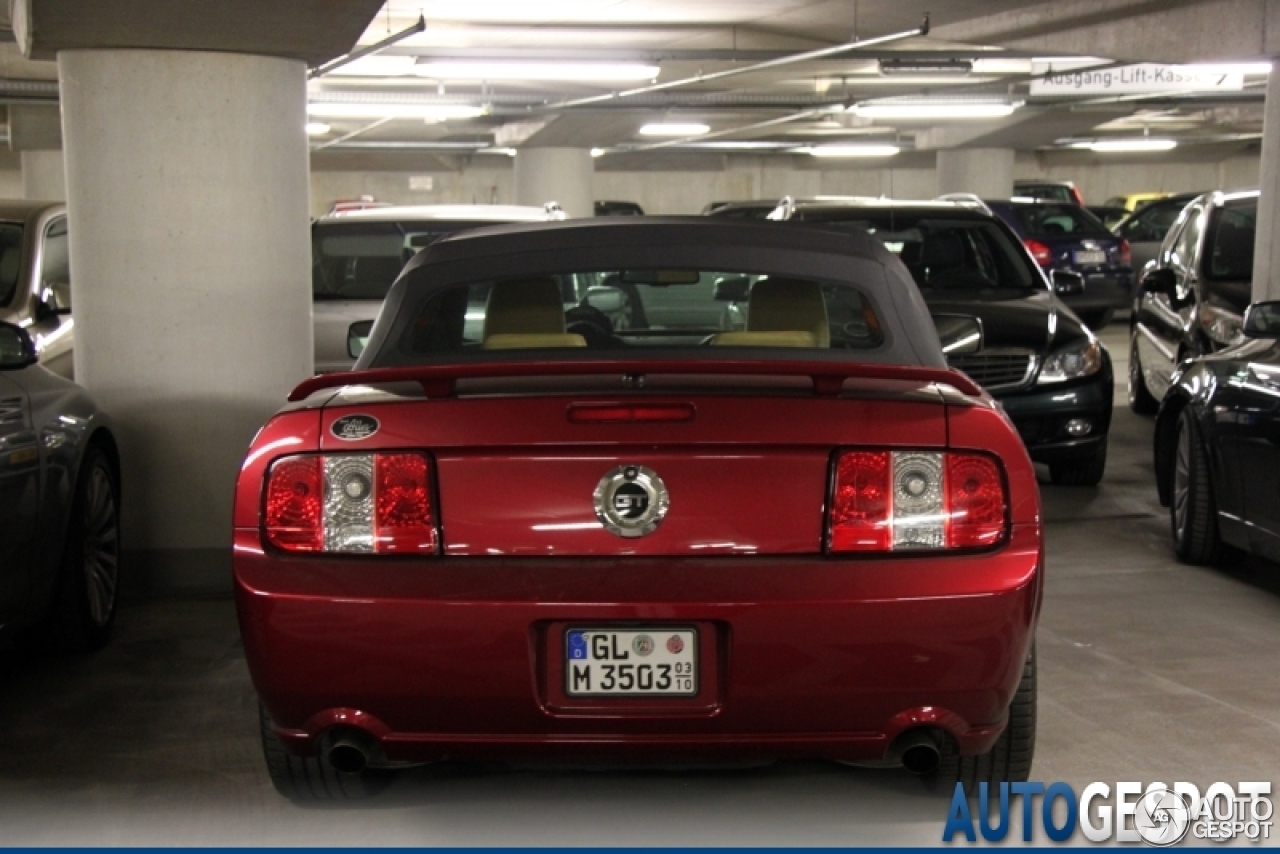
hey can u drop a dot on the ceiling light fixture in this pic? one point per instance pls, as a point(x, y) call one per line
point(869, 149)
point(317, 128)
point(426, 112)
point(674, 129)
point(573, 72)
point(925, 65)
point(1134, 144)
point(934, 109)
point(598, 152)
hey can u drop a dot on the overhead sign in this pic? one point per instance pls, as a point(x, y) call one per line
point(1053, 78)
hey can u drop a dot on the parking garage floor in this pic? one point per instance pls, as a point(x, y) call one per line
point(1150, 670)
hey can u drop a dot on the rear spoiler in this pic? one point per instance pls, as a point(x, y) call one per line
point(828, 377)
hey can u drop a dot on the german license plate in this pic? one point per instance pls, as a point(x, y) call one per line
point(1092, 257)
point(631, 662)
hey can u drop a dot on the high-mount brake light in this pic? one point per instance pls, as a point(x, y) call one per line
point(1039, 251)
point(351, 503)
point(911, 500)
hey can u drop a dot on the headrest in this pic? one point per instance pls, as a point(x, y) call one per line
point(524, 307)
point(10, 262)
point(789, 305)
point(943, 250)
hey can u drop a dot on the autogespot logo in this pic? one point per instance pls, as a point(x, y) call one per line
point(1156, 814)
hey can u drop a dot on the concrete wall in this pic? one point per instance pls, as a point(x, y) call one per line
point(688, 191)
point(10, 183)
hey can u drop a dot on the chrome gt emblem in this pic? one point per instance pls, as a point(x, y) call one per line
point(631, 501)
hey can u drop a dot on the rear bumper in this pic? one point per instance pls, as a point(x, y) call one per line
point(799, 657)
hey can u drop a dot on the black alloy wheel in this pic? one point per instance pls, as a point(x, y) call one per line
point(1193, 512)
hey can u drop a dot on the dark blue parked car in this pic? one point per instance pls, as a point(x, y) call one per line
point(1063, 236)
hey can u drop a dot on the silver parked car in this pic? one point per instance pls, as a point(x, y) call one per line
point(355, 257)
point(35, 278)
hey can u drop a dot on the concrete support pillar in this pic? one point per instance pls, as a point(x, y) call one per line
point(1266, 253)
point(986, 172)
point(190, 259)
point(563, 175)
point(44, 175)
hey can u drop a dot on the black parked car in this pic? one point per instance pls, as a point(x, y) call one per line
point(608, 208)
point(59, 504)
point(1217, 447)
point(1145, 228)
point(1065, 236)
point(1192, 297)
point(1050, 374)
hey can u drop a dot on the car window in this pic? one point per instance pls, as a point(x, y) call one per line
point(361, 260)
point(1228, 251)
point(10, 259)
point(1184, 247)
point(1151, 223)
point(1057, 220)
point(644, 311)
point(1045, 191)
point(946, 255)
point(55, 266)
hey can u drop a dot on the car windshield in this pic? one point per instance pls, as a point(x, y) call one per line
point(947, 256)
point(10, 259)
point(1229, 246)
point(360, 260)
point(1057, 220)
point(644, 311)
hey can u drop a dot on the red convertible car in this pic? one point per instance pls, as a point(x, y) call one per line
point(642, 490)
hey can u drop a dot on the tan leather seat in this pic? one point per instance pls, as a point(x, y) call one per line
point(782, 313)
point(526, 314)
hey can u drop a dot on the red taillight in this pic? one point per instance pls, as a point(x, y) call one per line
point(1126, 254)
point(295, 497)
point(1043, 254)
point(906, 500)
point(351, 503)
point(402, 520)
point(860, 506)
point(976, 506)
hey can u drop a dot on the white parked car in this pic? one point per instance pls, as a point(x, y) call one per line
point(356, 255)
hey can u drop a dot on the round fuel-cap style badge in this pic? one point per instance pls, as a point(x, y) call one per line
point(352, 428)
point(631, 501)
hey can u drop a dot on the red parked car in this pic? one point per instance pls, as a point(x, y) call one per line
point(570, 505)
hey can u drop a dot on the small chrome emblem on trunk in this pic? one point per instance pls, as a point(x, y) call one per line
point(631, 501)
point(352, 428)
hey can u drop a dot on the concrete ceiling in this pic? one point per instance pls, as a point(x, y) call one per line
point(799, 104)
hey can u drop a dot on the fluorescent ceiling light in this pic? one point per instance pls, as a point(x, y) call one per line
point(936, 109)
point(510, 152)
point(317, 128)
point(1138, 143)
point(377, 65)
point(598, 152)
point(925, 66)
point(869, 149)
point(674, 129)
point(576, 72)
point(427, 112)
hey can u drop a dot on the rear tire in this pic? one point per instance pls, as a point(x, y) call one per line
point(1087, 471)
point(1193, 513)
point(1141, 400)
point(1009, 761)
point(310, 779)
point(84, 602)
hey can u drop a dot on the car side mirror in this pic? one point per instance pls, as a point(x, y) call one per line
point(608, 299)
point(1262, 320)
point(17, 350)
point(1161, 281)
point(1066, 282)
point(732, 289)
point(358, 337)
point(960, 334)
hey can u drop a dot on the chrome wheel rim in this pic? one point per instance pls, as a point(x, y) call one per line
point(101, 545)
point(1181, 481)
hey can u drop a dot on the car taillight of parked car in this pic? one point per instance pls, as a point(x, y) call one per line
point(1040, 252)
point(887, 501)
point(352, 503)
point(1126, 254)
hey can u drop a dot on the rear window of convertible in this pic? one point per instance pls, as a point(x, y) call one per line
point(643, 310)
